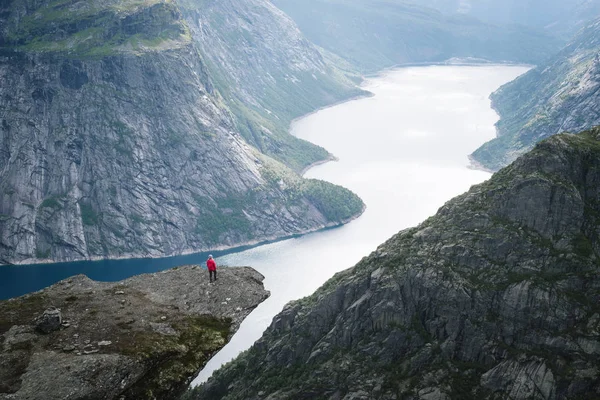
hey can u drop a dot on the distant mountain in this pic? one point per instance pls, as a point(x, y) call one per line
point(495, 297)
point(151, 128)
point(373, 34)
point(559, 17)
point(561, 95)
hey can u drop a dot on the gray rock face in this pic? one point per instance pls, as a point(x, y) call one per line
point(143, 338)
point(495, 297)
point(561, 95)
point(115, 142)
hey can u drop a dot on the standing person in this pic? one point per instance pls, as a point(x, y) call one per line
point(212, 268)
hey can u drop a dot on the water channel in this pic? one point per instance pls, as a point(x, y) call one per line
point(403, 151)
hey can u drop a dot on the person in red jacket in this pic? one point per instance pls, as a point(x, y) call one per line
point(212, 268)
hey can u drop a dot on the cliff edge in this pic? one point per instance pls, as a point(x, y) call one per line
point(142, 338)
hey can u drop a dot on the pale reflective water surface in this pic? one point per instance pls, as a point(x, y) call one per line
point(403, 151)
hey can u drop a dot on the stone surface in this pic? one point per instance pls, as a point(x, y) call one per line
point(496, 296)
point(111, 352)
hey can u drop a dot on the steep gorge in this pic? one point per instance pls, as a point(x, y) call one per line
point(494, 297)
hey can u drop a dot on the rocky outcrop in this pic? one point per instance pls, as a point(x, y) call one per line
point(495, 297)
point(142, 338)
point(49, 321)
point(116, 139)
point(562, 95)
point(376, 34)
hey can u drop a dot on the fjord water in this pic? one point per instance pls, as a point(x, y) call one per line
point(403, 151)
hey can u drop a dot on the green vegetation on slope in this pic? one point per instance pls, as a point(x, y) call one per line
point(95, 29)
point(562, 95)
point(229, 216)
point(267, 73)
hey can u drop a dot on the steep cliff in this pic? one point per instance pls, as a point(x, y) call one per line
point(142, 338)
point(495, 297)
point(562, 95)
point(374, 34)
point(116, 140)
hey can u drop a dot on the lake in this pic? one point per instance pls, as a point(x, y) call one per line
point(403, 151)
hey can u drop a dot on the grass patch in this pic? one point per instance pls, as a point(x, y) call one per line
point(52, 202)
point(23, 309)
point(174, 358)
point(89, 217)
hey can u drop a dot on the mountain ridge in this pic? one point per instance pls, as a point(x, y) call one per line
point(378, 34)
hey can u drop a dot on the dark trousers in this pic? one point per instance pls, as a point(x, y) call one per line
point(211, 274)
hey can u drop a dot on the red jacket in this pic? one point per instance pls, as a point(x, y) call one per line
point(211, 264)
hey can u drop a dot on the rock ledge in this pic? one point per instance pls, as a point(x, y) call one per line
point(144, 337)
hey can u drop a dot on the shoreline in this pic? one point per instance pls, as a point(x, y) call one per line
point(273, 239)
point(365, 95)
point(228, 249)
point(477, 166)
point(331, 158)
point(447, 63)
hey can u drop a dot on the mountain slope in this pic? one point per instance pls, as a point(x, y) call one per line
point(557, 17)
point(560, 95)
point(267, 72)
point(374, 34)
point(115, 141)
point(495, 297)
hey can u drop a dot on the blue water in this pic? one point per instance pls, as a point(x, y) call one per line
point(17, 280)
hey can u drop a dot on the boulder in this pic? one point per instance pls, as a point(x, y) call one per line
point(49, 321)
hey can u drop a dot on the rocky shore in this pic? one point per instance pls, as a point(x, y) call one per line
point(142, 338)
